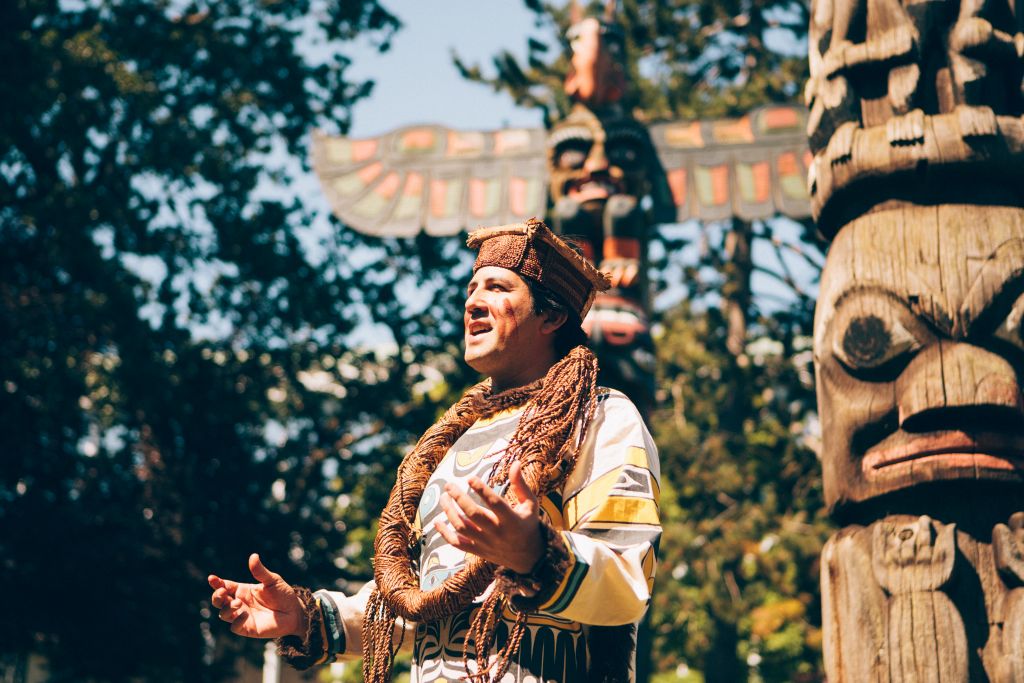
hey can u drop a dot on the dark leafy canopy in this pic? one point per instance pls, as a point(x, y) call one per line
point(178, 386)
point(685, 58)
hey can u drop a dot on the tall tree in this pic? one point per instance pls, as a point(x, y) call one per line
point(178, 381)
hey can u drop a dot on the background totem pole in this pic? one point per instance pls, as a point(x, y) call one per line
point(918, 180)
point(601, 164)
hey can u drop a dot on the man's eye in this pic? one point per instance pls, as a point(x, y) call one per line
point(867, 342)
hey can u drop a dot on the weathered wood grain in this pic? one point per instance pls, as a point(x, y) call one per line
point(918, 179)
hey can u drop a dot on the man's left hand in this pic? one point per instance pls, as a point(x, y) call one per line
point(507, 534)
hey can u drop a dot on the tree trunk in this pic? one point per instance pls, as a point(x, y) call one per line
point(723, 664)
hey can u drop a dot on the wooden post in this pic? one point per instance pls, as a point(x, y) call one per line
point(918, 180)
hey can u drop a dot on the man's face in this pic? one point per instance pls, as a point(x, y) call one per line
point(504, 338)
point(919, 351)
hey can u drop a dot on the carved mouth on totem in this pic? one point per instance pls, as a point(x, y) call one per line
point(592, 189)
point(952, 451)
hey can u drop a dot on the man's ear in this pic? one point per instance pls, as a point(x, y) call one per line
point(553, 320)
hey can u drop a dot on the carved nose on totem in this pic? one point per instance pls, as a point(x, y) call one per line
point(956, 385)
point(597, 160)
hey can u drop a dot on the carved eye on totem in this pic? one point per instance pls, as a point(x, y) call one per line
point(1011, 330)
point(873, 336)
point(571, 154)
point(624, 152)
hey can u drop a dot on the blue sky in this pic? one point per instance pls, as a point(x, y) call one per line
point(416, 81)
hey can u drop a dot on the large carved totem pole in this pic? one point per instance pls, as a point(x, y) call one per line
point(918, 179)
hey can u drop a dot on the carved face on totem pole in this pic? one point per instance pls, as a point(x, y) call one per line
point(919, 345)
point(592, 160)
point(916, 129)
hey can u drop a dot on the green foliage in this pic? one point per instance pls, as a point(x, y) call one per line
point(741, 501)
point(684, 58)
point(178, 382)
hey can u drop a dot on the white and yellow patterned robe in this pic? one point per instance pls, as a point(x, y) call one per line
point(608, 515)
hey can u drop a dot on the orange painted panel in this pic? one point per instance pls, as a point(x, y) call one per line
point(388, 186)
point(733, 132)
point(410, 202)
point(677, 183)
point(484, 196)
point(418, 140)
point(787, 164)
point(719, 184)
point(413, 185)
point(781, 118)
point(369, 173)
point(438, 195)
point(762, 181)
point(517, 196)
point(363, 149)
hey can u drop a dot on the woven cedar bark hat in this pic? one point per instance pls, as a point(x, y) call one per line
point(533, 251)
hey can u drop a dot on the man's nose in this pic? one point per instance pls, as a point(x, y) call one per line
point(475, 306)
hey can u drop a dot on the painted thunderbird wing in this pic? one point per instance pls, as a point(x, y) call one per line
point(432, 178)
point(753, 167)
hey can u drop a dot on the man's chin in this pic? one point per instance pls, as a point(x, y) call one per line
point(476, 359)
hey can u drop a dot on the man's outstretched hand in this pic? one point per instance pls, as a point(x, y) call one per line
point(268, 609)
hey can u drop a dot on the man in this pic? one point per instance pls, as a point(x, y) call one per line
point(519, 540)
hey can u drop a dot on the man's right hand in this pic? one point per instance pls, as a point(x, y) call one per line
point(268, 609)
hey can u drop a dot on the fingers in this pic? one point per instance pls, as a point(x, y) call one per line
point(464, 512)
point(232, 611)
point(261, 573)
point(517, 483)
point(449, 535)
point(223, 590)
point(490, 497)
point(221, 598)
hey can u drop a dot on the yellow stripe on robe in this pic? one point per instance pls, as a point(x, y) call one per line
point(626, 510)
point(591, 496)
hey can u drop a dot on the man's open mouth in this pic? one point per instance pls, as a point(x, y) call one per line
point(478, 330)
point(953, 449)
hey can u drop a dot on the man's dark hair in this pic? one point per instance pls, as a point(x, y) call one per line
point(570, 334)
